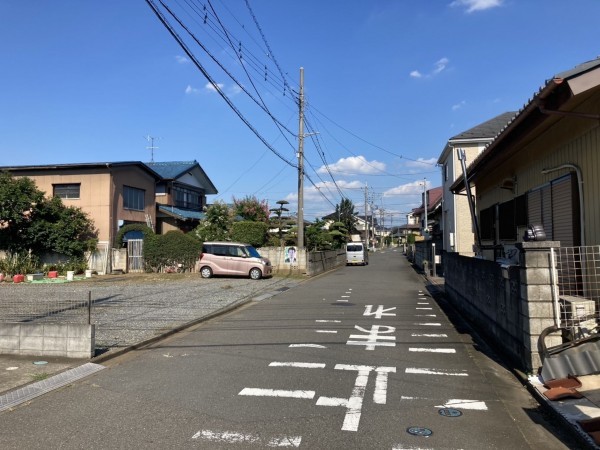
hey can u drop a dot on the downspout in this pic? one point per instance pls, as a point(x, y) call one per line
point(580, 188)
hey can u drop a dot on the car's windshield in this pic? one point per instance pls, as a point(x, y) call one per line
point(252, 251)
point(354, 248)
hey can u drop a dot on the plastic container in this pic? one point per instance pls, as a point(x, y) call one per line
point(18, 278)
point(53, 274)
point(70, 275)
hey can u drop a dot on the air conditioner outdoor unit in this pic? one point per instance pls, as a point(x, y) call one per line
point(578, 312)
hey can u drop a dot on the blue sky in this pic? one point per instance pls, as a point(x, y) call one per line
point(387, 83)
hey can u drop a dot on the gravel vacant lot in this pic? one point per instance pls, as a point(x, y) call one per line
point(128, 309)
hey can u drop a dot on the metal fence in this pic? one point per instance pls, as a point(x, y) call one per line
point(46, 309)
point(576, 287)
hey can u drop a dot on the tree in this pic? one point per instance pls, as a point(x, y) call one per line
point(339, 234)
point(317, 237)
point(216, 225)
point(31, 223)
point(277, 221)
point(252, 209)
point(345, 213)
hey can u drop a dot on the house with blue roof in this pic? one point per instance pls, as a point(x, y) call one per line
point(180, 195)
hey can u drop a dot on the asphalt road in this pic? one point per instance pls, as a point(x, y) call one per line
point(361, 358)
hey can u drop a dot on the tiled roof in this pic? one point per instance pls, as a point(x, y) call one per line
point(179, 213)
point(171, 169)
point(486, 130)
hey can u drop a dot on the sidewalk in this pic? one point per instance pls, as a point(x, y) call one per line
point(568, 410)
point(135, 316)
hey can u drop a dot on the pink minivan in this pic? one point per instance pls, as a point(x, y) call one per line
point(233, 258)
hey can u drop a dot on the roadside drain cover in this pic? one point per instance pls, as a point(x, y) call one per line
point(419, 431)
point(40, 363)
point(450, 412)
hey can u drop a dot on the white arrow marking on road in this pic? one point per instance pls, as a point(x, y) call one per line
point(257, 392)
point(432, 350)
point(307, 345)
point(435, 372)
point(231, 437)
point(429, 335)
point(298, 364)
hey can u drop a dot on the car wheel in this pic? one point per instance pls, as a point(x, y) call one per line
point(255, 274)
point(206, 272)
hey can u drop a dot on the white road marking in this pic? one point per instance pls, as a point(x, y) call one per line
point(381, 382)
point(372, 337)
point(379, 312)
point(464, 404)
point(326, 331)
point(344, 300)
point(231, 437)
point(354, 403)
point(307, 345)
point(328, 321)
point(345, 296)
point(257, 392)
point(302, 365)
point(422, 303)
point(432, 350)
point(425, 315)
point(427, 309)
point(429, 335)
point(349, 292)
point(435, 372)
point(429, 324)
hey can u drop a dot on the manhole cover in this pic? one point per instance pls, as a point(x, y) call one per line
point(450, 412)
point(419, 431)
point(40, 363)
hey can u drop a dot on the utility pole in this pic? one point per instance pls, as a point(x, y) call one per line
point(301, 164)
point(366, 218)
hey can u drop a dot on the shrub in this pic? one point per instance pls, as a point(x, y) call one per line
point(22, 263)
point(253, 233)
point(131, 227)
point(171, 249)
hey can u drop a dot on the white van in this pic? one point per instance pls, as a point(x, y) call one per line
point(356, 253)
point(233, 258)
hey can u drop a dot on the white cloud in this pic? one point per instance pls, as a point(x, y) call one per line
point(181, 59)
point(210, 87)
point(458, 105)
point(476, 5)
point(439, 66)
point(191, 90)
point(354, 165)
point(234, 90)
point(414, 188)
point(421, 163)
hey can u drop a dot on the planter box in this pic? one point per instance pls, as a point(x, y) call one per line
point(35, 276)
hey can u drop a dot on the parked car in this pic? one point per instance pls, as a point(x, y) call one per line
point(233, 258)
point(356, 253)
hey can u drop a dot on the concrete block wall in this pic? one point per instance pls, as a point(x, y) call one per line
point(51, 339)
point(511, 308)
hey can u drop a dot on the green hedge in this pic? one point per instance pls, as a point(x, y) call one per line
point(253, 233)
point(146, 230)
point(171, 249)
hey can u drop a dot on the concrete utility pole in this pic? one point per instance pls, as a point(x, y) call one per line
point(366, 219)
point(301, 164)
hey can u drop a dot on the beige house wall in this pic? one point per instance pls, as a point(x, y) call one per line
point(100, 194)
point(572, 140)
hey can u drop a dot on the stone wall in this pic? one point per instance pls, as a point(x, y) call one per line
point(309, 263)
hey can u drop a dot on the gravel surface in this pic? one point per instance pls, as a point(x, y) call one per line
point(129, 309)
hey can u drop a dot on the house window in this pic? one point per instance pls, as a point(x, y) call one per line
point(69, 191)
point(487, 219)
point(133, 198)
point(506, 220)
point(186, 198)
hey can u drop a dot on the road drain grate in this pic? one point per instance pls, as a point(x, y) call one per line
point(419, 431)
point(450, 412)
point(33, 390)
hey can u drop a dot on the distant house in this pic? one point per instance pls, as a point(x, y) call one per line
point(113, 194)
point(457, 224)
point(542, 167)
point(430, 218)
point(180, 195)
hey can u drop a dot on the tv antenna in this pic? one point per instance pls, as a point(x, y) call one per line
point(150, 140)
